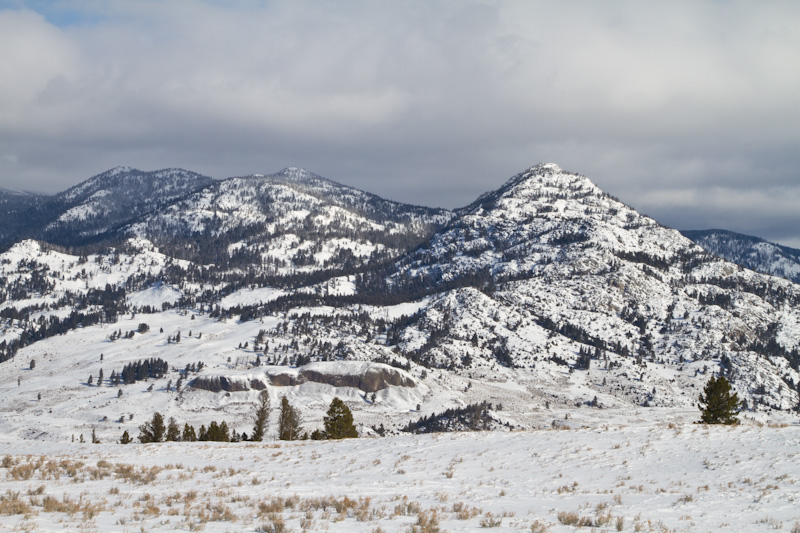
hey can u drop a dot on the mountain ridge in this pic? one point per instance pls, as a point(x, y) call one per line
point(752, 252)
point(545, 293)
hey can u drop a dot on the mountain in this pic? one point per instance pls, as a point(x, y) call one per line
point(112, 199)
point(287, 223)
point(93, 210)
point(15, 207)
point(750, 252)
point(544, 299)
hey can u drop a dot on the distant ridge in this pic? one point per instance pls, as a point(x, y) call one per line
point(748, 251)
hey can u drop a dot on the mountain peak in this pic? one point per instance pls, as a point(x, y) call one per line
point(121, 169)
point(296, 173)
point(544, 180)
point(551, 167)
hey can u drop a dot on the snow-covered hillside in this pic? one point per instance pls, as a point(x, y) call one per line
point(647, 477)
point(286, 223)
point(751, 252)
point(113, 198)
point(542, 299)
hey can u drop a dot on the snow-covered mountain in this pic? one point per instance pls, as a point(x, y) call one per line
point(93, 210)
point(751, 252)
point(15, 207)
point(286, 223)
point(112, 199)
point(543, 299)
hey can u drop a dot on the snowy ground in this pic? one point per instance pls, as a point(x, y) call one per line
point(664, 477)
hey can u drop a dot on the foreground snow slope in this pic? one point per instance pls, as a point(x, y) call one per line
point(646, 478)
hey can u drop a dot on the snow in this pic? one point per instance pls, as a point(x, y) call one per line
point(676, 477)
point(155, 296)
point(251, 296)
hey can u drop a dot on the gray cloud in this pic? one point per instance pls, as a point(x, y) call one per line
point(687, 110)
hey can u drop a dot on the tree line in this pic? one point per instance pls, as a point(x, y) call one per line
point(338, 424)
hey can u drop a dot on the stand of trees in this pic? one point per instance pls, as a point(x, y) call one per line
point(338, 424)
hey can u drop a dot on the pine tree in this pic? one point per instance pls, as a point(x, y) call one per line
point(154, 430)
point(188, 434)
point(339, 421)
point(173, 431)
point(717, 404)
point(261, 417)
point(224, 432)
point(289, 423)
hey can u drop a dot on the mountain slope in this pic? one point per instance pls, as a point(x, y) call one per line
point(750, 252)
point(542, 299)
point(289, 222)
point(566, 270)
point(113, 198)
point(15, 208)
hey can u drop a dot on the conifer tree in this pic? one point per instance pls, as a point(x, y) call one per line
point(339, 421)
point(173, 431)
point(261, 417)
point(717, 404)
point(289, 423)
point(154, 430)
point(224, 432)
point(188, 434)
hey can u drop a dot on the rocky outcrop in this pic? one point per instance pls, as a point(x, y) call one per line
point(369, 377)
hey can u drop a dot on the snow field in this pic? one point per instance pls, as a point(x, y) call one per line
point(634, 478)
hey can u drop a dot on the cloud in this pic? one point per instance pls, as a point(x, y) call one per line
point(684, 109)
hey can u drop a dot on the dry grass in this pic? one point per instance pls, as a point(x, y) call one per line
point(12, 504)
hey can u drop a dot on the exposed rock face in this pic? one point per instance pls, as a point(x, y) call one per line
point(228, 384)
point(369, 377)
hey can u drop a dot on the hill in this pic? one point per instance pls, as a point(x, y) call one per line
point(750, 252)
point(544, 298)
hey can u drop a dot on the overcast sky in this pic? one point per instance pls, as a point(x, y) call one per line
point(688, 111)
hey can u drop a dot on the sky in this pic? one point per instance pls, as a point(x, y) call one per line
point(689, 111)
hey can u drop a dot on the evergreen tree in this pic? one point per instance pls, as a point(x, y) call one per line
point(154, 430)
point(261, 417)
point(339, 421)
point(173, 431)
point(188, 434)
point(289, 423)
point(717, 404)
point(224, 432)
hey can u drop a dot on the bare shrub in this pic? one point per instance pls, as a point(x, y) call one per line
point(11, 504)
point(464, 512)
point(427, 522)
